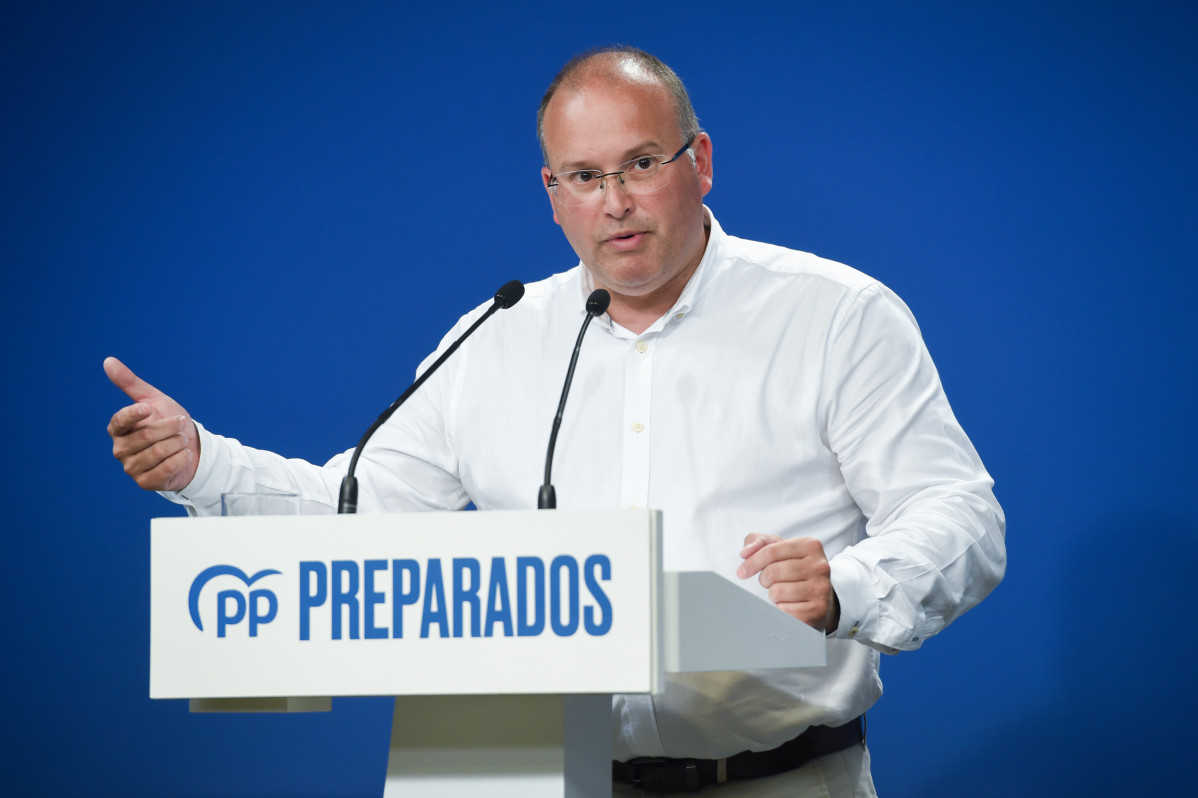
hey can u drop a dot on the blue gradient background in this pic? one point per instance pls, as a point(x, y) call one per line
point(274, 210)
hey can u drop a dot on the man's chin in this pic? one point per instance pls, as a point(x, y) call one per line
point(626, 283)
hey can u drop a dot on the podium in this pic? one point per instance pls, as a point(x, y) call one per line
point(503, 635)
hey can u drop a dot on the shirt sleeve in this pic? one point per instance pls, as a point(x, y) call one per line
point(228, 466)
point(407, 466)
point(934, 543)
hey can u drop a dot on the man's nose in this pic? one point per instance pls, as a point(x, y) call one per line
point(616, 199)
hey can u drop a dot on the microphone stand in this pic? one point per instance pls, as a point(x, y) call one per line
point(505, 297)
point(596, 305)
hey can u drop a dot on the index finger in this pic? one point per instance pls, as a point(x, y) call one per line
point(126, 419)
point(774, 551)
point(754, 541)
point(760, 553)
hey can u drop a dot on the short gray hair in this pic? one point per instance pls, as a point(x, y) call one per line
point(605, 61)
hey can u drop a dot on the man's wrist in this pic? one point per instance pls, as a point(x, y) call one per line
point(832, 621)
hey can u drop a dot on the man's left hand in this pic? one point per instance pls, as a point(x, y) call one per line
point(796, 574)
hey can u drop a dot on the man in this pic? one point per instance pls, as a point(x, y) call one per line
point(780, 409)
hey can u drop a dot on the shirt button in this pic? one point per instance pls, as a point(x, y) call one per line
point(642, 347)
point(853, 632)
point(637, 427)
point(678, 316)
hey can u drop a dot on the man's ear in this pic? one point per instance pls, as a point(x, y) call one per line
point(545, 177)
point(702, 148)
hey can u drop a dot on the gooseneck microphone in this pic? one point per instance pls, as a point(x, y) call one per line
point(597, 303)
point(505, 297)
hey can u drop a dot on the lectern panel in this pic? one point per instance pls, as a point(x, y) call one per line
point(551, 602)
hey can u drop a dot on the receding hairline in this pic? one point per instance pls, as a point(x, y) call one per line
point(612, 67)
point(615, 66)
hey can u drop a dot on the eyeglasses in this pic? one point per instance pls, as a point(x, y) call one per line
point(639, 176)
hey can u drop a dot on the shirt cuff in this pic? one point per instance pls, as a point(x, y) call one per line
point(201, 496)
point(858, 612)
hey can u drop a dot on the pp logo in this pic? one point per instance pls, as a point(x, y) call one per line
point(234, 605)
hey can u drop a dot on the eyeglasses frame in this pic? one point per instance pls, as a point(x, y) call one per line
point(619, 173)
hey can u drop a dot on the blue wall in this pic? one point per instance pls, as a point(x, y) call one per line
point(232, 196)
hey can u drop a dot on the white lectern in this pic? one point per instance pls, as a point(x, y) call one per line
point(503, 634)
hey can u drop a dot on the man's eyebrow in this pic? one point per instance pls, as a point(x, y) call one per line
point(645, 148)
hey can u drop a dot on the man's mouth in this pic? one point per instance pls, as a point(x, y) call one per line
point(626, 240)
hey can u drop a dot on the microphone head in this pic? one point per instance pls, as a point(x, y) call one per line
point(597, 302)
point(509, 294)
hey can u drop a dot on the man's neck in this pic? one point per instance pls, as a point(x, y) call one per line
point(639, 313)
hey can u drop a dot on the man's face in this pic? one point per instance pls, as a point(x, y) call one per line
point(634, 246)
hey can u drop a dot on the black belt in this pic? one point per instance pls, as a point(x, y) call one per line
point(654, 774)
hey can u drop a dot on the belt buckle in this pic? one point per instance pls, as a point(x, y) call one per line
point(657, 774)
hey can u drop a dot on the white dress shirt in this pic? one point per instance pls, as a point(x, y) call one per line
point(783, 394)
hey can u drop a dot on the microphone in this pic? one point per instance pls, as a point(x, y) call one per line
point(597, 303)
point(505, 297)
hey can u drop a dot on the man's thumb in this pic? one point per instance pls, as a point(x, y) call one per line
point(134, 386)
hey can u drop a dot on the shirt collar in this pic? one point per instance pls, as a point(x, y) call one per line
point(697, 284)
